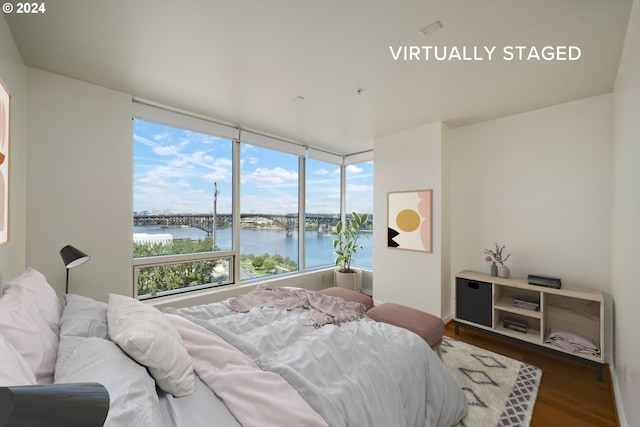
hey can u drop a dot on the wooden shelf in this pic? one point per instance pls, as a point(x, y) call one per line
point(580, 311)
point(532, 335)
point(507, 304)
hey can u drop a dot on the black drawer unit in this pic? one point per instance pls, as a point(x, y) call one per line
point(473, 301)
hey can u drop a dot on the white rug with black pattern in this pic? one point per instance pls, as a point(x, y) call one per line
point(500, 391)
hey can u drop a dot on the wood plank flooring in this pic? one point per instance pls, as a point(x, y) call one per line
point(570, 394)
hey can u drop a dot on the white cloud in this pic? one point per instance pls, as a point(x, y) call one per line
point(159, 149)
point(166, 150)
point(281, 203)
point(273, 176)
point(333, 197)
point(145, 141)
point(150, 182)
point(161, 136)
point(352, 188)
point(353, 169)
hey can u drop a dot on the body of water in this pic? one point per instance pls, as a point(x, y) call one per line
point(319, 248)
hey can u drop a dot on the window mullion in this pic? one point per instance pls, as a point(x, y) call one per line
point(302, 213)
point(235, 184)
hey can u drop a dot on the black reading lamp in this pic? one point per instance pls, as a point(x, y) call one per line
point(72, 257)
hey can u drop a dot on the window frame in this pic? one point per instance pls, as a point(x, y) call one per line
point(269, 143)
point(164, 260)
point(145, 111)
point(354, 159)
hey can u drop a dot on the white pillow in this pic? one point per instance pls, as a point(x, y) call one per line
point(133, 400)
point(32, 284)
point(14, 370)
point(23, 326)
point(144, 333)
point(84, 317)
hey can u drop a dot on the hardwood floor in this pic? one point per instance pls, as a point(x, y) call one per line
point(569, 393)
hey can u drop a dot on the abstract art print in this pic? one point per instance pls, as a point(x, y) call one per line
point(409, 220)
point(5, 139)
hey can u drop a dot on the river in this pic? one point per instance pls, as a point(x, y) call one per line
point(319, 248)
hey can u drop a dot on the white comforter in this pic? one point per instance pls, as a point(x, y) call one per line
point(361, 373)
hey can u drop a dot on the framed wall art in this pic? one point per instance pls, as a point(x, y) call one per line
point(5, 144)
point(409, 220)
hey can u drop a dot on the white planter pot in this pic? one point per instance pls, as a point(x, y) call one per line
point(352, 281)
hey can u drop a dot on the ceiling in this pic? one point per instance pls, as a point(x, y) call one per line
point(249, 63)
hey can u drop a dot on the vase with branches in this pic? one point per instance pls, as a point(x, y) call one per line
point(497, 256)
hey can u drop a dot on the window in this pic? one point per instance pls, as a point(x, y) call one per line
point(322, 211)
point(182, 218)
point(215, 206)
point(268, 212)
point(359, 198)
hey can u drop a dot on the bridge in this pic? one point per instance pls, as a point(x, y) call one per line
point(205, 221)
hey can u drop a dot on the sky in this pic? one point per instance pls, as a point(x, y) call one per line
point(175, 171)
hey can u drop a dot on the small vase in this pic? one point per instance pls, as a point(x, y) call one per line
point(503, 271)
point(494, 270)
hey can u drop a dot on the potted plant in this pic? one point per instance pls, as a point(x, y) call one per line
point(345, 247)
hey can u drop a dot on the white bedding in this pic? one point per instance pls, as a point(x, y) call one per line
point(361, 373)
point(197, 410)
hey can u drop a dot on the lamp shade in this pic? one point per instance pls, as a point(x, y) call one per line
point(72, 257)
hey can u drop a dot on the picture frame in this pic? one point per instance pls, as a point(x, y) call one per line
point(5, 160)
point(409, 220)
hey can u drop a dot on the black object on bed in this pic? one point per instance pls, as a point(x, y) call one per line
point(54, 405)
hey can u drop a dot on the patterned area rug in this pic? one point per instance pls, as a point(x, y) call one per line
point(500, 391)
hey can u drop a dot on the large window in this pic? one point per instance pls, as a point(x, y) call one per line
point(216, 206)
point(182, 197)
point(268, 212)
point(359, 198)
point(323, 212)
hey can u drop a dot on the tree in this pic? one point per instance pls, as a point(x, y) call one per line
point(269, 264)
point(174, 276)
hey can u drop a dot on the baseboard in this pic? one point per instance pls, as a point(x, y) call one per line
point(622, 420)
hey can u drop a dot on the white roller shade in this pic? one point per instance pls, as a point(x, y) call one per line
point(324, 156)
point(365, 156)
point(272, 143)
point(183, 121)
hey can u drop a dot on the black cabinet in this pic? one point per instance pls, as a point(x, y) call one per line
point(473, 301)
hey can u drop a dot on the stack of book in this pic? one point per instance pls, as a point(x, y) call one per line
point(515, 325)
point(528, 304)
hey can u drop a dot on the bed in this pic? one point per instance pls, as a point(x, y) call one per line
point(217, 365)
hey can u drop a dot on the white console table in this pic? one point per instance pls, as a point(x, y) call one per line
point(484, 302)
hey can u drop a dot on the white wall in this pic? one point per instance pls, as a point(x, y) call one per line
point(625, 242)
point(79, 188)
point(410, 160)
point(12, 254)
point(539, 183)
point(446, 298)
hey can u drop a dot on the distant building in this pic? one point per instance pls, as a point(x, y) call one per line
point(152, 239)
